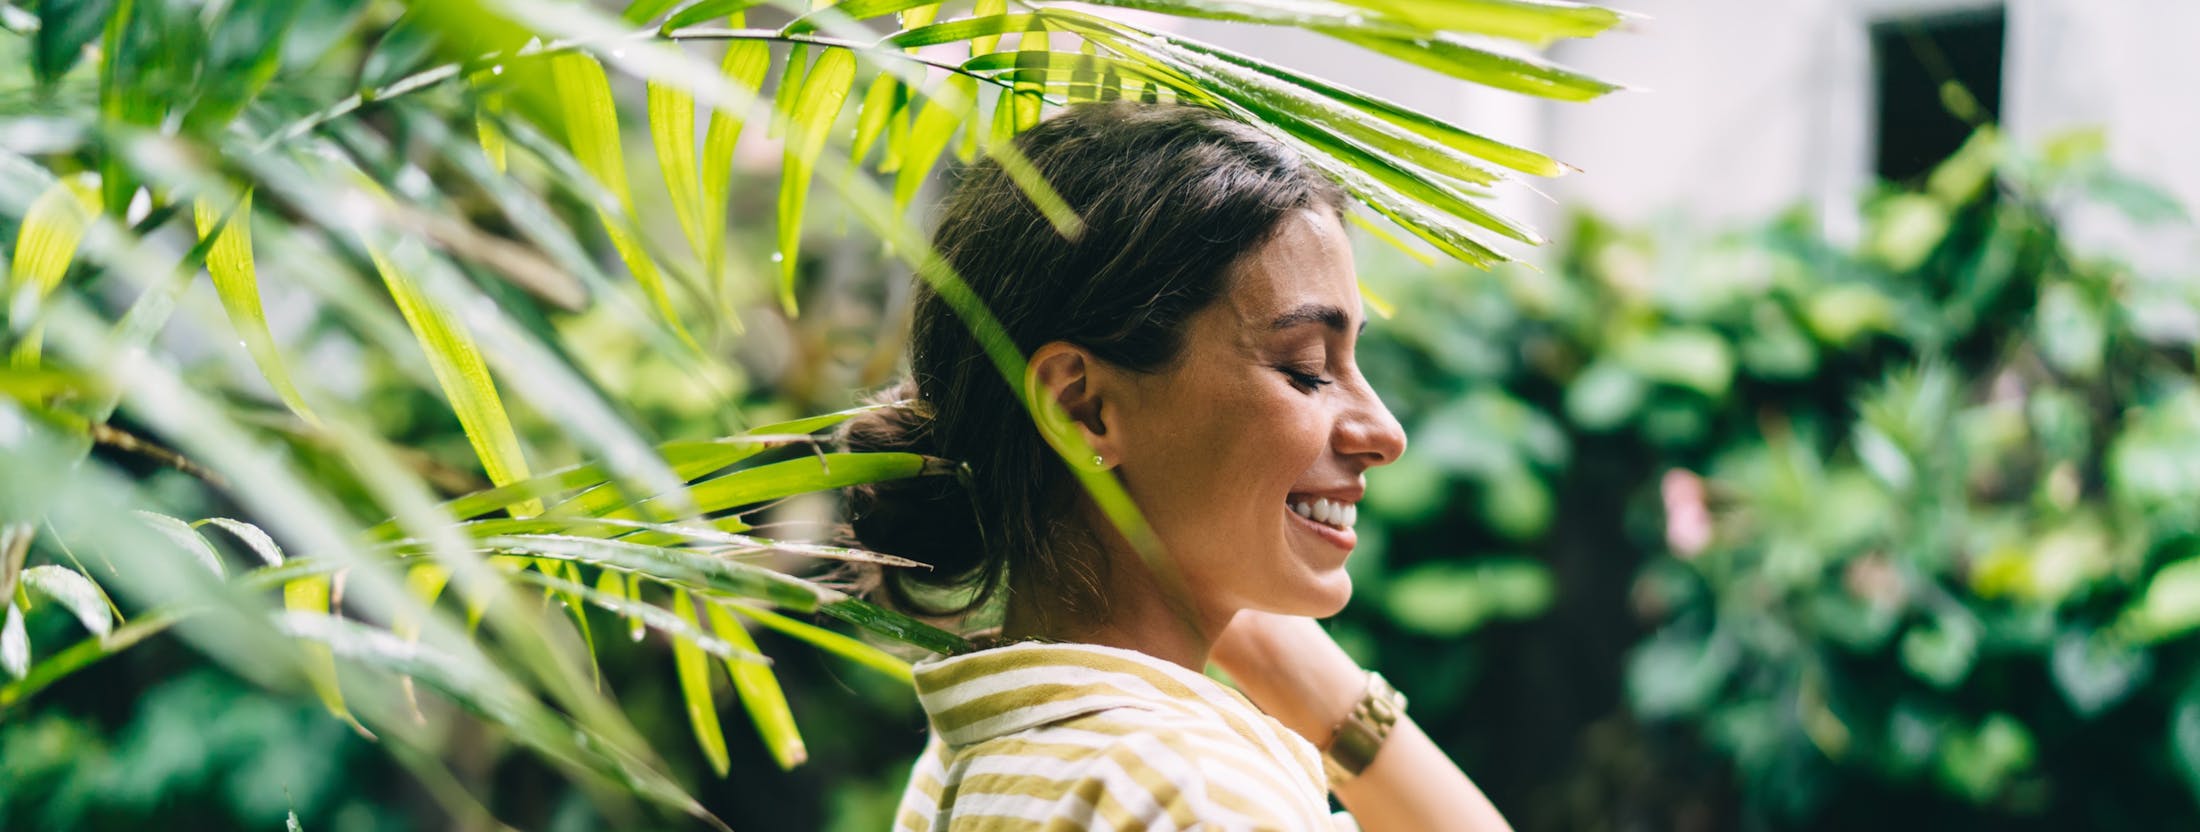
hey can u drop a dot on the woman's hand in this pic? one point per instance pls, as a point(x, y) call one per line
point(1291, 668)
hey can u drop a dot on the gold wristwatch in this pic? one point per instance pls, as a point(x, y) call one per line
point(1353, 743)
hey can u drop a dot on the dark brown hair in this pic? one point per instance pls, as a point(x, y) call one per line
point(1170, 195)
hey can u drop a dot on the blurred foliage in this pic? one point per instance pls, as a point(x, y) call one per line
point(1959, 562)
point(1940, 558)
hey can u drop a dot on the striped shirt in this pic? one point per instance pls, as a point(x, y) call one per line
point(1079, 736)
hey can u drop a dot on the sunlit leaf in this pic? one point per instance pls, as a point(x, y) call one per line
point(745, 65)
point(760, 692)
point(74, 592)
point(254, 538)
point(592, 130)
point(310, 595)
point(694, 672)
point(463, 374)
point(236, 282)
point(831, 642)
point(707, 10)
point(45, 245)
point(185, 537)
point(949, 103)
point(882, 102)
point(824, 90)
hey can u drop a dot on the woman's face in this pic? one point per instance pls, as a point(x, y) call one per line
point(1263, 414)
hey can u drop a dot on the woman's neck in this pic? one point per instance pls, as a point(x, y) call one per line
point(1135, 615)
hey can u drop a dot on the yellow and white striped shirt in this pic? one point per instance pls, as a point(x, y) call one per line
point(1080, 736)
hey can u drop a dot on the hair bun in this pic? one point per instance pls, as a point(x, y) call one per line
point(931, 520)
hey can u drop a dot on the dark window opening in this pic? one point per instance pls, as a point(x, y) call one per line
point(1938, 78)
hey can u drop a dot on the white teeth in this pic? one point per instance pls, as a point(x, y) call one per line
point(1327, 511)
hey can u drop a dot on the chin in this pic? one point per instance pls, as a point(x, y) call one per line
point(1326, 596)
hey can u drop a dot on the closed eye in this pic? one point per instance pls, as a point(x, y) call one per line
point(1305, 380)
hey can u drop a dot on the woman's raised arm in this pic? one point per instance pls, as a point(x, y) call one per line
point(1292, 669)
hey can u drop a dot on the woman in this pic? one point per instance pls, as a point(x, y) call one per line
point(1196, 341)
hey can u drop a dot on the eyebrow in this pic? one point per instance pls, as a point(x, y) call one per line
point(1314, 313)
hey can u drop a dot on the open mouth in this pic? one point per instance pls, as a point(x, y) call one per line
point(1335, 514)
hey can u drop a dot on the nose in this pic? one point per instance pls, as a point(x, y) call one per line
point(1367, 431)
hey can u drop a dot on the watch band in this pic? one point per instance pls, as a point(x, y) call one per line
point(1359, 736)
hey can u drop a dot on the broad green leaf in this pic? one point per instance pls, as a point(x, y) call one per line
point(244, 50)
point(488, 107)
point(310, 595)
point(483, 690)
point(1032, 62)
point(123, 100)
point(1027, 178)
point(882, 102)
point(949, 103)
point(1003, 127)
point(920, 14)
point(644, 11)
point(1384, 235)
point(1018, 66)
point(708, 10)
point(425, 581)
point(253, 538)
point(236, 282)
point(984, 9)
point(831, 642)
point(962, 29)
point(746, 63)
point(464, 376)
point(406, 46)
point(1535, 22)
point(790, 89)
point(694, 672)
point(650, 616)
point(672, 129)
point(824, 90)
point(45, 245)
point(689, 458)
point(1440, 132)
point(669, 565)
point(612, 583)
point(1458, 59)
point(778, 480)
point(187, 538)
point(592, 130)
point(894, 625)
point(65, 27)
point(759, 690)
point(1362, 153)
point(75, 592)
point(856, 10)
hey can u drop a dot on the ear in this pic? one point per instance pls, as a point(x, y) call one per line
point(1066, 385)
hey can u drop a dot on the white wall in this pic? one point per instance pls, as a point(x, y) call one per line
point(1740, 108)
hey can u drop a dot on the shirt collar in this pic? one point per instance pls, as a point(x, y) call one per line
point(973, 697)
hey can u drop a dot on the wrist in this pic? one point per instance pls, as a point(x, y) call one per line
point(1293, 670)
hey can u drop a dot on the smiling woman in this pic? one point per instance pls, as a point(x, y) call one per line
point(1195, 340)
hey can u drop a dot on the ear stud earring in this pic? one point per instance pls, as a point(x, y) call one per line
point(1099, 461)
